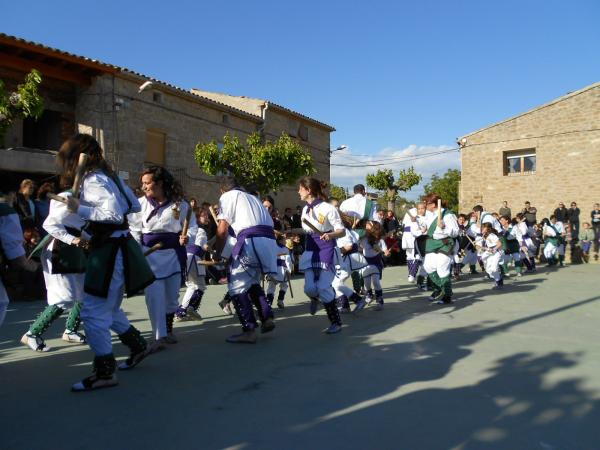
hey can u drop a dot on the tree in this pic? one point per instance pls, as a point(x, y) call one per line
point(446, 187)
point(383, 180)
point(257, 165)
point(337, 192)
point(24, 102)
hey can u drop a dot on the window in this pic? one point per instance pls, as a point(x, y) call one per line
point(293, 128)
point(49, 131)
point(519, 162)
point(157, 97)
point(155, 147)
point(303, 132)
point(225, 119)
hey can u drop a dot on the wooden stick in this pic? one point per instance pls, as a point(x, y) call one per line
point(222, 262)
point(439, 211)
point(213, 214)
point(312, 227)
point(153, 249)
point(289, 282)
point(57, 198)
point(186, 221)
point(81, 166)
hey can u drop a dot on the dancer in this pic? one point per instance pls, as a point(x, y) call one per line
point(253, 256)
point(348, 259)
point(553, 232)
point(322, 223)
point(527, 245)
point(491, 253)
point(195, 282)
point(161, 222)
point(418, 224)
point(11, 242)
point(413, 260)
point(511, 245)
point(63, 260)
point(115, 262)
point(373, 248)
point(282, 277)
point(441, 229)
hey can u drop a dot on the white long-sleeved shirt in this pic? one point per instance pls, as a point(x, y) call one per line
point(355, 207)
point(451, 228)
point(59, 217)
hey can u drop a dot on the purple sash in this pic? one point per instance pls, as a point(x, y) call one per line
point(168, 240)
point(195, 250)
point(280, 262)
point(406, 229)
point(376, 261)
point(265, 231)
point(322, 251)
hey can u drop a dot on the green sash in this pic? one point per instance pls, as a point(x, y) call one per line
point(444, 246)
point(554, 240)
point(101, 263)
point(509, 246)
point(366, 216)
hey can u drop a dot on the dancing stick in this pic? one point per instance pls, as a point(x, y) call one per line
point(58, 198)
point(289, 282)
point(222, 262)
point(213, 214)
point(153, 249)
point(439, 212)
point(79, 173)
point(186, 222)
point(312, 227)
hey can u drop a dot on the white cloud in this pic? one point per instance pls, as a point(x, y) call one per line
point(412, 155)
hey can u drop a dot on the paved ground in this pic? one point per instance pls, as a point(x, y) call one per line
point(515, 370)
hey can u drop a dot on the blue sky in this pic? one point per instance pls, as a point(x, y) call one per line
point(395, 78)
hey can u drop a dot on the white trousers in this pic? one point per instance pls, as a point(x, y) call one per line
point(438, 262)
point(321, 288)
point(272, 286)
point(374, 280)
point(338, 284)
point(492, 264)
point(162, 299)
point(194, 282)
point(551, 250)
point(412, 254)
point(100, 315)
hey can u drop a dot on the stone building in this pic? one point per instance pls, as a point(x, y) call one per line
point(547, 155)
point(137, 120)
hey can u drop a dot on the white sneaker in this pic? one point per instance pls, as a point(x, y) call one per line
point(185, 318)
point(369, 299)
point(35, 343)
point(73, 337)
point(411, 279)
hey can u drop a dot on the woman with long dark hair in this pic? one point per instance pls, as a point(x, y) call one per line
point(160, 221)
point(115, 262)
point(318, 260)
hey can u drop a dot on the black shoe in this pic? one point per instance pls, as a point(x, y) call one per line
point(267, 326)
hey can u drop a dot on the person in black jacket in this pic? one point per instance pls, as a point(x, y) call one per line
point(573, 218)
point(24, 205)
point(561, 213)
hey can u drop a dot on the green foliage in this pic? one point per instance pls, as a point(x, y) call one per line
point(384, 180)
point(256, 165)
point(446, 186)
point(24, 102)
point(337, 192)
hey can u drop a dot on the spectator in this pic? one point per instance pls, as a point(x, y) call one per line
point(505, 210)
point(24, 205)
point(596, 226)
point(206, 223)
point(530, 213)
point(586, 238)
point(561, 213)
point(269, 204)
point(297, 218)
point(391, 224)
point(287, 219)
point(573, 218)
point(42, 206)
point(195, 206)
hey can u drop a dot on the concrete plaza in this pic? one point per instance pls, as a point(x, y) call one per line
point(517, 369)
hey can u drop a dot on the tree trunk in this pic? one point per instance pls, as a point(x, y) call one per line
point(391, 195)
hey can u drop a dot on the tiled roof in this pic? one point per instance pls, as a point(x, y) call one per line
point(112, 69)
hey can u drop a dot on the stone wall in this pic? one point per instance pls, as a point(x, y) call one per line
point(565, 134)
